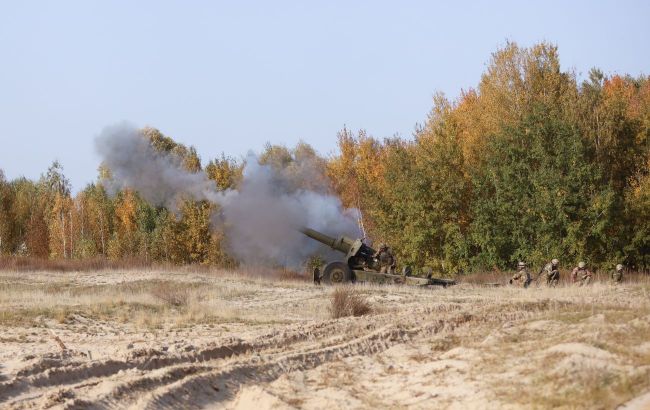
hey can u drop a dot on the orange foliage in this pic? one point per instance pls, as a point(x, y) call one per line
point(125, 213)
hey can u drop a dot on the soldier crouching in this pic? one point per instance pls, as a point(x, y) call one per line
point(551, 273)
point(581, 274)
point(521, 278)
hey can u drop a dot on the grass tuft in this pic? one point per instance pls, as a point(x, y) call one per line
point(347, 301)
point(172, 295)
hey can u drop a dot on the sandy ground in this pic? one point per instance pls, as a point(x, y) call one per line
point(120, 340)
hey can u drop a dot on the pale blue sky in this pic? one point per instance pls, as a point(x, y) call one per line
point(229, 76)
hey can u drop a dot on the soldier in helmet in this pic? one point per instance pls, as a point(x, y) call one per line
point(617, 275)
point(386, 259)
point(521, 277)
point(582, 274)
point(551, 273)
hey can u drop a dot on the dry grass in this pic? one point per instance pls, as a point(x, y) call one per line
point(172, 294)
point(147, 299)
point(33, 264)
point(100, 264)
point(347, 301)
point(483, 278)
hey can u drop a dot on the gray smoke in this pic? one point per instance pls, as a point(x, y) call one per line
point(261, 219)
point(160, 179)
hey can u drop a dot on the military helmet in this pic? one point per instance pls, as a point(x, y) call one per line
point(619, 267)
point(581, 265)
point(521, 264)
point(555, 262)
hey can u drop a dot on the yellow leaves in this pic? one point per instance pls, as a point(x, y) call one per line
point(59, 226)
point(472, 124)
point(618, 87)
point(640, 105)
point(640, 187)
point(369, 164)
point(516, 79)
point(104, 173)
point(166, 145)
point(342, 169)
point(225, 172)
point(358, 163)
point(277, 156)
point(125, 213)
point(197, 238)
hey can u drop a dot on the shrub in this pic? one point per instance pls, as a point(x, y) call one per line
point(347, 301)
point(171, 294)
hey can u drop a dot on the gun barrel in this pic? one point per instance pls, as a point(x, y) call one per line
point(341, 244)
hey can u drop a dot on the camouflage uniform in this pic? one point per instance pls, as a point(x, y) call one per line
point(551, 273)
point(386, 259)
point(521, 277)
point(582, 274)
point(617, 275)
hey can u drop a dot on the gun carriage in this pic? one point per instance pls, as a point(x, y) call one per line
point(360, 265)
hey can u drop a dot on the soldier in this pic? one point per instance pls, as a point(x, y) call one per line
point(521, 277)
point(551, 273)
point(581, 273)
point(617, 275)
point(386, 259)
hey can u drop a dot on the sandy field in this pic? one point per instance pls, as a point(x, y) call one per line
point(152, 339)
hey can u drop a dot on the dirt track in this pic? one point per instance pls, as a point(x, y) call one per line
point(242, 343)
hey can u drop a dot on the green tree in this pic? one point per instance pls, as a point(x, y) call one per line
point(7, 219)
point(535, 194)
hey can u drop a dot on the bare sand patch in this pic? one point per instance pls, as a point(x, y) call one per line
point(126, 341)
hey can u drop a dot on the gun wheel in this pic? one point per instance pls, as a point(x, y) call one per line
point(336, 272)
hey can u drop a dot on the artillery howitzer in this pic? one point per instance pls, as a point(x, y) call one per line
point(360, 265)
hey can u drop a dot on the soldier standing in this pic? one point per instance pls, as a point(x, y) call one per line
point(551, 273)
point(386, 259)
point(582, 274)
point(522, 276)
point(617, 275)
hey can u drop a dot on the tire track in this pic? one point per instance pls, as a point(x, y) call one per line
point(58, 373)
point(215, 373)
point(215, 382)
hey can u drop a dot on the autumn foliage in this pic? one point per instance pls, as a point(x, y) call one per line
point(530, 164)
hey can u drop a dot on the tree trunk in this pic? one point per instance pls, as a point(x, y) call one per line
point(101, 233)
point(71, 233)
point(63, 239)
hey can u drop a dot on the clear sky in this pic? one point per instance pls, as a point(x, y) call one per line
point(230, 76)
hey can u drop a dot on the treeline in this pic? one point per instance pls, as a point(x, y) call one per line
point(530, 165)
point(42, 218)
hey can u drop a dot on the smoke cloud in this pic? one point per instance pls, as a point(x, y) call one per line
point(261, 219)
point(160, 179)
